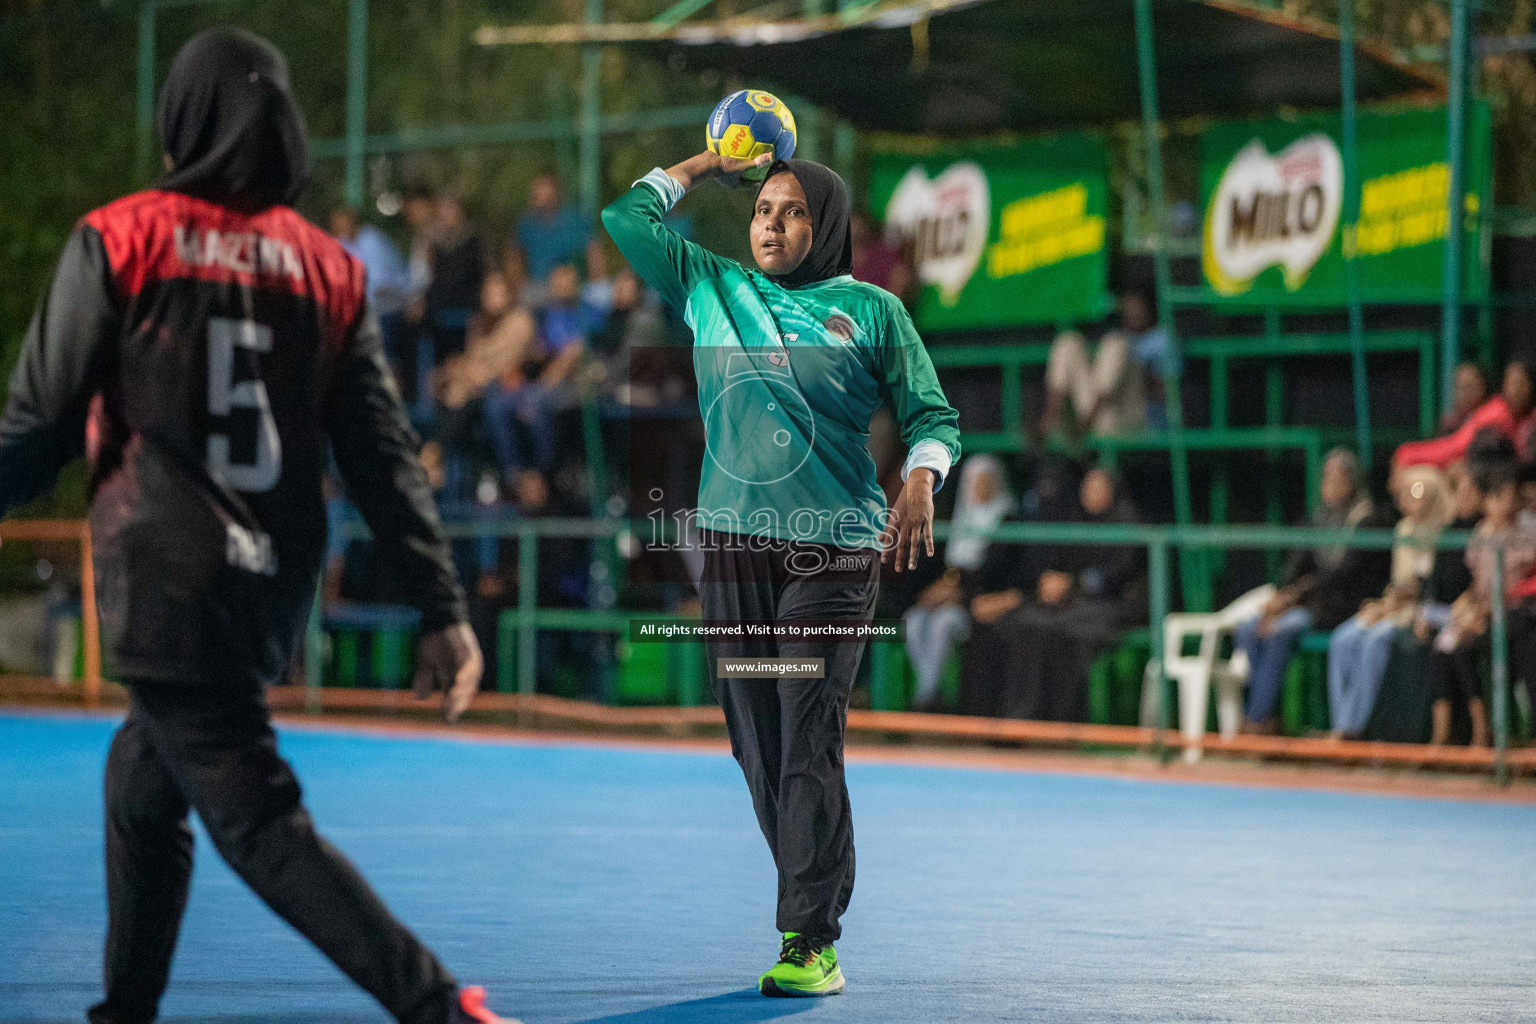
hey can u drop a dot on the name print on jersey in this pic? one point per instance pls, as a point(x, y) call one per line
point(250, 550)
point(240, 252)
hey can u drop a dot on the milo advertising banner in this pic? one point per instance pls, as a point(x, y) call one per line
point(1002, 236)
point(1273, 193)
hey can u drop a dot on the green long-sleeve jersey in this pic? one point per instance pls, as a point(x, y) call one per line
point(788, 379)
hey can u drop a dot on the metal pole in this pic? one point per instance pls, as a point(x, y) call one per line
point(1455, 210)
point(1157, 569)
point(1351, 225)
point(1146, 61)
point(144, 152)
point(843, 141)
point(357, 99)
point(90, 621)
point(590, 159)
point(1498, 637)
point(314, 654)
point(527, 602)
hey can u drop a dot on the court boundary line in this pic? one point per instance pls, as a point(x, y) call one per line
point(1364, 781)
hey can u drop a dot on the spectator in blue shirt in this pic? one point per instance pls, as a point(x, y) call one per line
point(531, 396)
point(548, 233)
point(388, 279)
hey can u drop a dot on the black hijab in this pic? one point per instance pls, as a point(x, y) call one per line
point(831, 237)
point(229, 123)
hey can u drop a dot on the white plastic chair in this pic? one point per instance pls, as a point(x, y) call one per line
point(1197, 673)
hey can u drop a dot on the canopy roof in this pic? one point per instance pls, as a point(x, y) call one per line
point(963, 67)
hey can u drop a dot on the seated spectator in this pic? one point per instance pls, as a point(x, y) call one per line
point(499, 339)
point(876, 261)
point(421, 217)
point(1462, 643)
point(635, 369)
point(1469, 389)
point(1320, 589)
point(938, 620)
point(1031, 658)
point(389, 282)
point(458, 270)
point(1115, 389)
point(548, 232)
point(530, 396)
point(1359, 649)
point(1511, 413)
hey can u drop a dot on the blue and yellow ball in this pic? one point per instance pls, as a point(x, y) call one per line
point(749, 123)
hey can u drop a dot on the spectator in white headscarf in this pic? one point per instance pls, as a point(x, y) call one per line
point(939, 620)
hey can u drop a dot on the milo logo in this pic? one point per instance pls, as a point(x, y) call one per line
point(1272, 210)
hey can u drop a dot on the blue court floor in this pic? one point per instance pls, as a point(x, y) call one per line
point(632, 887)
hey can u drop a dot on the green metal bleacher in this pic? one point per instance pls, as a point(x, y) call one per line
point(1271, 348)
point(676, 673)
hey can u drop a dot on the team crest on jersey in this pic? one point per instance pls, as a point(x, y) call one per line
point(841, 326)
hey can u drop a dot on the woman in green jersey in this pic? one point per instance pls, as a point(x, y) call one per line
point(793, 357)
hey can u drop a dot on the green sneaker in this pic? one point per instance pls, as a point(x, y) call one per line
point(806, 967)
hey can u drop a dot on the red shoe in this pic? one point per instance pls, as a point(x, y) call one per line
point(472, 1009)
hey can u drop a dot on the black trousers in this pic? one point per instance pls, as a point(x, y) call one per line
point(787, 734)
point(214, 751)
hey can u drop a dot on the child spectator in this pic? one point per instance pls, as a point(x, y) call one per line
point(1462, 642)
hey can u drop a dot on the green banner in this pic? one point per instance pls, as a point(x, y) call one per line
point(1002, 236)
point(1273, 196)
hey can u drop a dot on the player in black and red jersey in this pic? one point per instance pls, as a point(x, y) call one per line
point(216, 341)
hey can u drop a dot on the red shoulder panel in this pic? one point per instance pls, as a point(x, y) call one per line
point(159, 236)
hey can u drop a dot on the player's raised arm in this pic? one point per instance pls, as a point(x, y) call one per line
point(376, 451)
point(665, 260)
point(60, 369)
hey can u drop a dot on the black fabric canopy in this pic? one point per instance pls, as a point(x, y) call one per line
point(991, 65)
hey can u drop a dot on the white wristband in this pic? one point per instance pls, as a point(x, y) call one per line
point(667, 187)
point(928, 454)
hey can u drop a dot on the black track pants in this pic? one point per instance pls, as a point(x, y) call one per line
point(183, 747)
point(787, 734)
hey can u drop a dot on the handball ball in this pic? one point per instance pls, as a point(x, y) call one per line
point(747, 124)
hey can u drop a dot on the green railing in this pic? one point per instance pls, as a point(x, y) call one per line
point(1272, 347)
point(524, 619)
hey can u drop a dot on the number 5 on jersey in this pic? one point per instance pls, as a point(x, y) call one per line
point(225, 396)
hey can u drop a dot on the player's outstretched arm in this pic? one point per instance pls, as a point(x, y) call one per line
point(375, 450)
point(61, 366)
point(665, 260)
